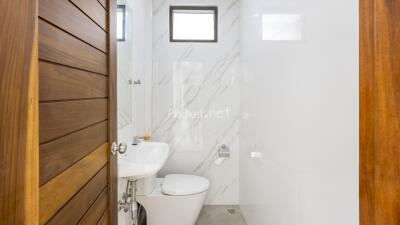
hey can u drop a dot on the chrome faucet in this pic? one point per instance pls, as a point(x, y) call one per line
point(136, 140)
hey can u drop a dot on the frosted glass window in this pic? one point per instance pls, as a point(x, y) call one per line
point(121, 23)
point(281, 27)
point(193, 24)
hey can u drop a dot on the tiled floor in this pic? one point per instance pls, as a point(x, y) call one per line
point(221, 215)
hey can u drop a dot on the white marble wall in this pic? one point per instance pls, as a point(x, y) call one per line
point(195, 98)
point(134, 62)
point(125, 65)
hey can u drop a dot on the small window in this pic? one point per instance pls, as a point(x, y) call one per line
point(121, 13)
point(193, 24)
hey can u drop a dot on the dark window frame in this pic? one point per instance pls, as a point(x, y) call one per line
point(123, 8)
point(192, 8)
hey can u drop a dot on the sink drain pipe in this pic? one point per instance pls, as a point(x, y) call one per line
point(128, 201)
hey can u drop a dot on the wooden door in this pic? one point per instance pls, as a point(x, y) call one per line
point(77, 173)
point(19, 153)
point(380, 112)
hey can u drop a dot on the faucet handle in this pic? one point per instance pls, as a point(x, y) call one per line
point(137, 140)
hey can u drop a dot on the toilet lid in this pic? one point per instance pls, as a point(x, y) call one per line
point(179, 184)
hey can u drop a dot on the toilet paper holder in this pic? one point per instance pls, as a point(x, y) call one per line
point(224, 152)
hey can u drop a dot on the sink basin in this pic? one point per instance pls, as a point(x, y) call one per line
point(142, 160)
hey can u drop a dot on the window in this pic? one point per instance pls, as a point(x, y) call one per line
point(121, 13)
point(193, 24)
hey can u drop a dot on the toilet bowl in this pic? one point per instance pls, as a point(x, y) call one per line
point(175, 200)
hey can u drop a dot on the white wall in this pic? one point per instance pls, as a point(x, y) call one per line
point(300, 112)
point(125, 63)
point(134, 62)
point(197, 79)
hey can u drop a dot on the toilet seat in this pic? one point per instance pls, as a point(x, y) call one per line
point(181, 185)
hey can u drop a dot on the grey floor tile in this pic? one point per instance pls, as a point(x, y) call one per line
point(221, 215)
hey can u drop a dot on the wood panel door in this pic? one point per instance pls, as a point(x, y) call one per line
point(19, 150)
point(77, 173)
point(380, 112)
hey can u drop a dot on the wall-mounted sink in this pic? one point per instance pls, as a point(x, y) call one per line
point(143, 160)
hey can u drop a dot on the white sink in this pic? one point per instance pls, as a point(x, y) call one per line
point(143, 160)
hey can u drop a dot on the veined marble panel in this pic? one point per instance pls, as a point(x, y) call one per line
point(196, 98)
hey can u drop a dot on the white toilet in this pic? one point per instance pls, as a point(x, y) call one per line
point(174, 200)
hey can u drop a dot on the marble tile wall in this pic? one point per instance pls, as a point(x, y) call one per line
point(125, 57)
point(195, 98)
point(134, 62)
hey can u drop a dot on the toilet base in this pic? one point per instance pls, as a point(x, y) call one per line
point(164, 209)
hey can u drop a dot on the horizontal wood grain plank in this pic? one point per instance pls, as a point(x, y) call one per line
point(95, 212)
point(58, 46)
point(103, 3)
point(94, 10)
point(57, 192)
point(68, 17)
point(60, 154)
point(104, 218)
point(76, 208)
point(57, 82)
point(61, 118)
